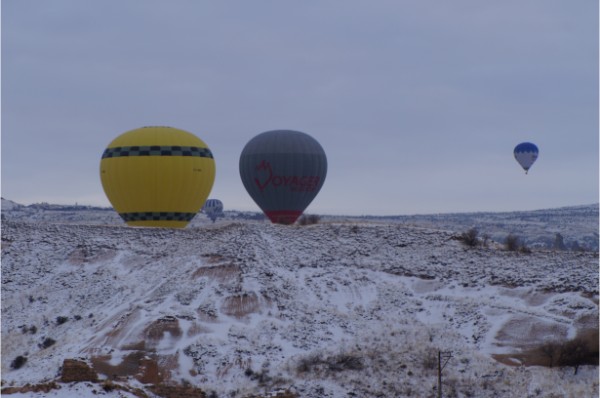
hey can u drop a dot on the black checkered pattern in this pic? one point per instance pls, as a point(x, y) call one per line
point(157, 216)
point(156, 150)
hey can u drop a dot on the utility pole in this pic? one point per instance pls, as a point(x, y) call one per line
point(445, 356)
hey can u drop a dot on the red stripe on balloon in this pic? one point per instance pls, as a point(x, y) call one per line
point(283, 216)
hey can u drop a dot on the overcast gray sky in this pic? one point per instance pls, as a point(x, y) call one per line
point(418, 104)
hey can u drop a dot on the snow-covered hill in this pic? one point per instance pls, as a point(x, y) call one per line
point(52, 213)
point(337, 309)
point(576, 225)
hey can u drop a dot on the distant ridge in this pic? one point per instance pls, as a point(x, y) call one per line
point(576, 226)
point(8, 205)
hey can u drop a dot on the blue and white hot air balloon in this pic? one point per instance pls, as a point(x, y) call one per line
point(526, 153)
point(213, 208)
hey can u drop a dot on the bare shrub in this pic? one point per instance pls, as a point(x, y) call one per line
point(582, 350)
point(308, 363)
point(48, 342)
point(108, 386)
point(32, 329)
point(334, 363)
point(18, 362)
point(430, 360)
point(262, 377)
point(309, 219)
point(512, 243)
point(550, 352)
point(470, 238)
point(343, 362)
point(524, 249)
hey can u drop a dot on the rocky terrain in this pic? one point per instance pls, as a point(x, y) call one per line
point(244, 308)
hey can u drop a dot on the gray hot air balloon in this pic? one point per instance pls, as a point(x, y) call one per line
point(283, 170)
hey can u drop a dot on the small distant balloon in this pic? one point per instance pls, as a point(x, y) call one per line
point(213, 208)
point(157, 176)
point(283, 171)
point(526, 153)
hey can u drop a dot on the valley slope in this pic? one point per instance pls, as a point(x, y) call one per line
point(336, 309)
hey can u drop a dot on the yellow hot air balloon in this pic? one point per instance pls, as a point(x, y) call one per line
point(157, 176)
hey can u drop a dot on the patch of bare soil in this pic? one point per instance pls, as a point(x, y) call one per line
point(117, 334)
point(142, 362)
point(533, 297)
point(240, 305)
point(221, 273)
point(77, 370)
point(170, 391)
point(146, 367)
point(37, 388)
point(196, 329)
point(277, 394)
point(523, 332)
point(105, 385)
point(157, 329)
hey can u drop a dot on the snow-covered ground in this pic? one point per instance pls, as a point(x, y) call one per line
point(576, 225)
point(336, 309)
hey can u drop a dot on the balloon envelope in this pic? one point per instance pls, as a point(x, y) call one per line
point(213, 205)
point(213, 208)
point(157, 176)
point(526, 153)
point(283, 171)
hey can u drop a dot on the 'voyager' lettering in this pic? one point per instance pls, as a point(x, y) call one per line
point(293, 183)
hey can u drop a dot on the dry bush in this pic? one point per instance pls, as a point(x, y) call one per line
point(108, 386)
point(512, 243)
point(48, 342)
point(308, 363)
point(582, 350)
point(18, 362)
point(430, 359)
point(343, 362)
point(334, 363)
point(470, 238)
point(548, 353)
point(524, 249)
point(309, 219)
